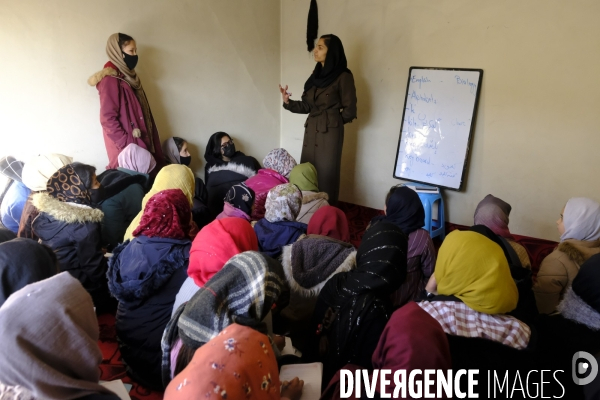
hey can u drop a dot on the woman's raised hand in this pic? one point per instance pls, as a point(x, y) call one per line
point(285, 95)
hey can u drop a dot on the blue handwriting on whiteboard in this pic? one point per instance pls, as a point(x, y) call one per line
point(421, 80)
point(410, 108)
point(424, 160)
point(423, 97)
point(461, 81)
point(447, 167)
point(429, 175)
point(447, 174)
point(431, 144)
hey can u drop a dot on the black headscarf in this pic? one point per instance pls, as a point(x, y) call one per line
point(241, 197)
point(24, 261)
point(405, 210)
point(585, 284)
point(335, 64)
point(350, 299)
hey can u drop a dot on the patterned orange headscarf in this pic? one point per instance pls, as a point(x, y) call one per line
point(239, 363)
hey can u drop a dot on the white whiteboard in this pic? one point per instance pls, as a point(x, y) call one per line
point(437, 123)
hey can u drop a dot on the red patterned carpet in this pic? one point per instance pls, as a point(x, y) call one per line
point(358, 218)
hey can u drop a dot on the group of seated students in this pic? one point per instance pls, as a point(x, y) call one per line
point(207, 279)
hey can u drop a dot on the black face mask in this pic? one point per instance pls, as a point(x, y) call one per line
point(130, 61)
point(185, 160)
point(229, 150)
point(97, 195)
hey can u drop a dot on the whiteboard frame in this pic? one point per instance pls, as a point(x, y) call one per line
point(471, 128)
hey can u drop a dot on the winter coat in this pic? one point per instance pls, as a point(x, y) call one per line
point(313, 260)
point(311, 202)
point(220, 180)
point(121, 114)
point(200, 212)
point(145, 275)
point(272, 236)
point(559, 269)
point(73, 232)
point(125, 190)
point(265, 180)
point(324, 128)
point(12, 205)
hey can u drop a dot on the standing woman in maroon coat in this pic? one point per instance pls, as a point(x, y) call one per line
point(124, 109)
point(329, 99)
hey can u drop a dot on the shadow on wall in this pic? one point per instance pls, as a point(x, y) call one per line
point(348, 182)
point(151, 70)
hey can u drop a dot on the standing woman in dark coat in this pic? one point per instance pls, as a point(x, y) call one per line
point(329, 99)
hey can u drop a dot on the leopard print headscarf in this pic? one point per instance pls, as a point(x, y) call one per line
point(65, 185)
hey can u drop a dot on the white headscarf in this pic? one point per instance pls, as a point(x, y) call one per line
point(581, 219)
point(39, 169)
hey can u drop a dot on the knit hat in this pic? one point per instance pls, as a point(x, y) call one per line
point(241, 197)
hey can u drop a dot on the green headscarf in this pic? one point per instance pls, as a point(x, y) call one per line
point(305, 177)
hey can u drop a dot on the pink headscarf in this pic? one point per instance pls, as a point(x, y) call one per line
point(136, 158)
point(493, 213)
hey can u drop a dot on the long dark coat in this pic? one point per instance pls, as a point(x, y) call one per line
point(328, 110)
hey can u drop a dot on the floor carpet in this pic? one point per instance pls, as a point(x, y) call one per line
point(358, 218)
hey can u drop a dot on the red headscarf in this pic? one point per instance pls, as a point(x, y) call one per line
point(329, 221)
point(167, 215)
point(216, 243)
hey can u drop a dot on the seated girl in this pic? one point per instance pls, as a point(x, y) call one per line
point(309, 263)
point(277, 167)
point(404, 209)
point(15, 194)
point(493, 213)
point(239, 202)
point(472, 290)
point(36, 173)
point(224, 168)
point(236, 361)
point(122, 192)
point(243, 292)
point(579, 229)
point(411, 340)
point(49, 342)
point(305, 177)
point(576, 327)
point(354, 307)
point(169, 177)
point(216, 243)
point(24, 261)
point(279, 227)
point(69, 225)
point(176, 151)
point(144, 275)
point(220, 151)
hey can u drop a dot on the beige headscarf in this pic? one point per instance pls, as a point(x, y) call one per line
point(115, 55)
point(49, 335)
point(39, 169)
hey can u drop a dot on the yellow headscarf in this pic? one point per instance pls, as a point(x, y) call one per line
point(174, 176)
point(474, 269)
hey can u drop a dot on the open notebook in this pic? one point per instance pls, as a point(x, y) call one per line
point(118, 387)
point(311, 374)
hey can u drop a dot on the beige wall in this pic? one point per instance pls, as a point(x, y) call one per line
point(211, 65)
point(206, 65)
point(537, 136)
